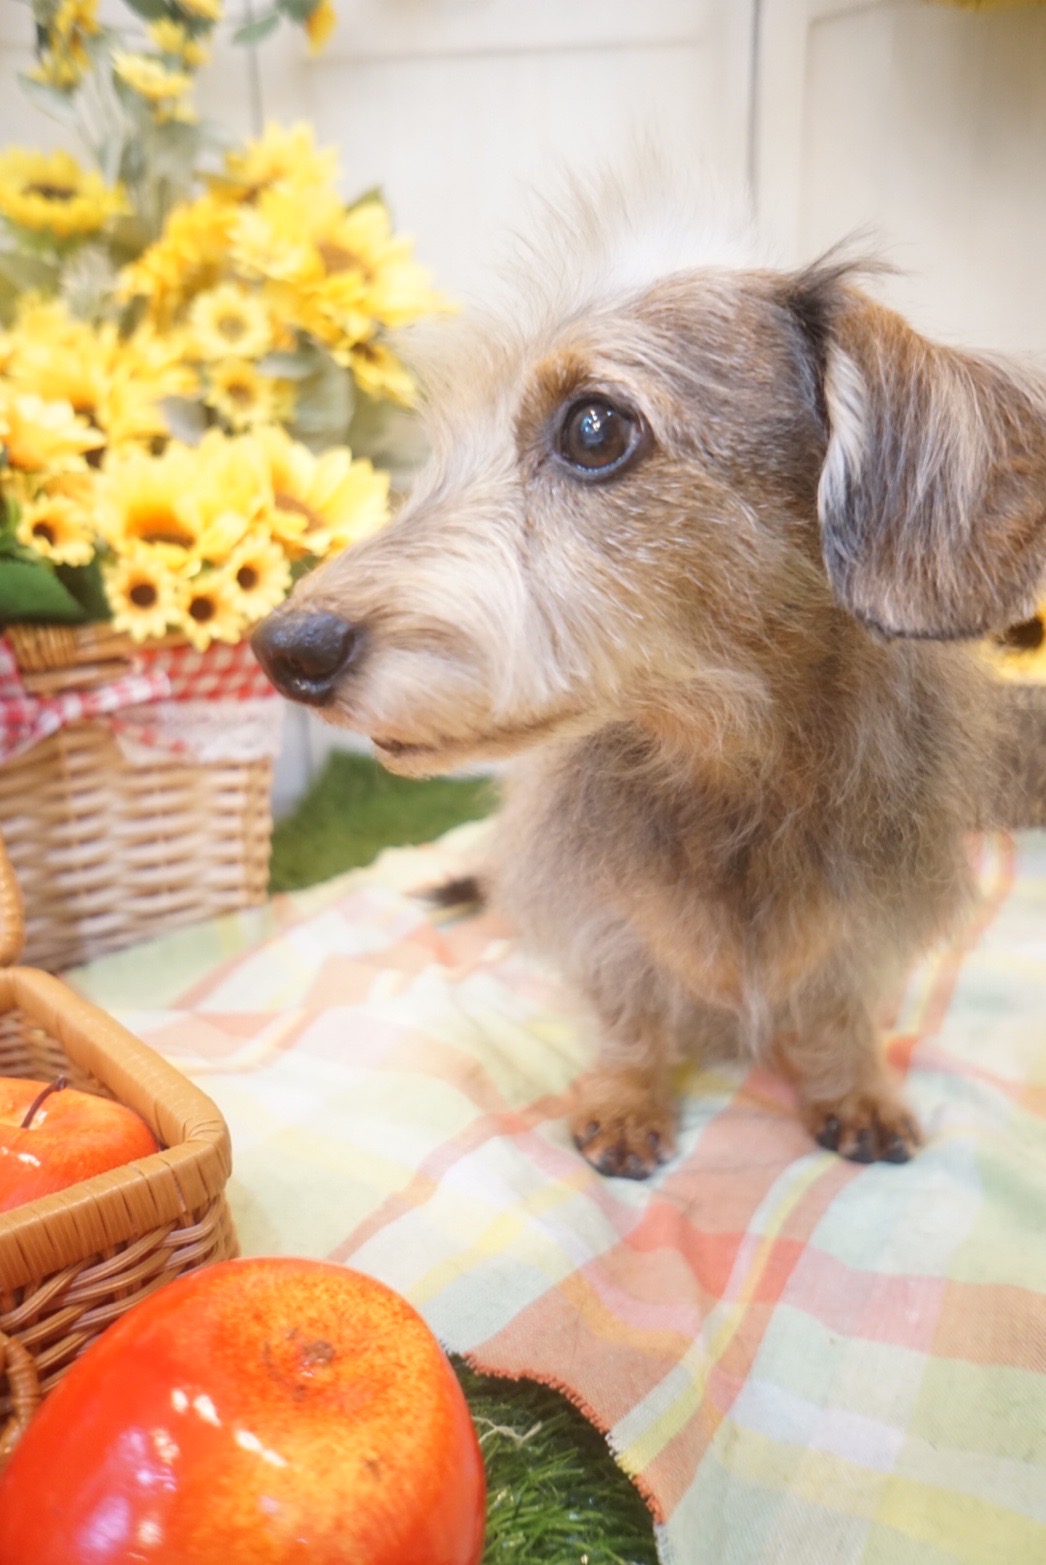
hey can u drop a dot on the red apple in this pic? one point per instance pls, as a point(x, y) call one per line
point(66, 1137)
point(269, 1411)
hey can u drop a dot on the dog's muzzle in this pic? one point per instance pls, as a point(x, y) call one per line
point(304, 653)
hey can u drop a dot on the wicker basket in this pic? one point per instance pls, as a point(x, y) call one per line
point(71, 1263)
point(109, 852)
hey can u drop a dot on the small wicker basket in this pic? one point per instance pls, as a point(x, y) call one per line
point(71, 1263)
point(109, 852)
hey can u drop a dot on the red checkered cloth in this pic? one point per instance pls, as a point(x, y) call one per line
point(211, 705)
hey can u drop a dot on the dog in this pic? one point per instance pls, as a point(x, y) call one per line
point(699, 547)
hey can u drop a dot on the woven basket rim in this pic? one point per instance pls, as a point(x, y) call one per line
point(12, 913)
point(113, 1208)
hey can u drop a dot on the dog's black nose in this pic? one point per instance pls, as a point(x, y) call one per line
point(303, 653)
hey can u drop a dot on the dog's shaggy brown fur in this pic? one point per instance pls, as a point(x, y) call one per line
point(737, 807)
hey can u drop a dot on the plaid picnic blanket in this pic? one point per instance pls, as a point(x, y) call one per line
point(801, 1361)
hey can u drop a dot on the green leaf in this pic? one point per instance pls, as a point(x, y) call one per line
point(324, 406)
point(298, 365)
point(185, 418)
point(60, 105)
point(297, 10)
point(152, 10)
point(33, 592)
point(84, 583)
point(375, 193)
point(27, 273)
point(253, 32)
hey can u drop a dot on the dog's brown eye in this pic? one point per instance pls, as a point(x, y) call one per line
point(596, 437)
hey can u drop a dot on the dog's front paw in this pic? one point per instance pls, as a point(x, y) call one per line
point(622, 1124)
point(866, 1127)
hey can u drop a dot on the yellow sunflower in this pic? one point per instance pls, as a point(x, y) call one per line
point(64, 57)
point(231, 494)
point(229, 321)
point(162, 88)
point(319, 24)
point(176, 41)
point(244, 397)
point(142, 596)
point(334, 310)
point(145, 502)
point(116, 383)
point(76, 16)
point(379, 373)
point(208, 609)
point(150, 78)
point(188, 256)
point(272, 238)
point(278, 156)
point(54, 526)
point(360, 240)
point(38, 435)
point(50, 193)
point(61, 68)
point(261, 575)
point(321, 503)
point(203, 10)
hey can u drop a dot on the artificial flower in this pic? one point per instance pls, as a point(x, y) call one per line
point(176, 41)
point(208, 609)
point(277, 156)
point(229, 321)
point(63, 58)
point(36, 434)
point(245, 397)
point(321, 503)
point(54, 525)
point(189, 255)
point(76, 16)
point(117, 383)
point(319, 24)
point(232, 492)
point(61, 68)
point(379, 373)
point(142, 595)
point(260, 574)
point(146, 499)
point(150, 78)
point(49, 192)
point(202, 10)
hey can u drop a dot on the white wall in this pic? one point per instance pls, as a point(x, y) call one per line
point(922, 122)
point(927, 124)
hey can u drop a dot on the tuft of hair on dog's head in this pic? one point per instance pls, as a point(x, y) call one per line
point(932, 497)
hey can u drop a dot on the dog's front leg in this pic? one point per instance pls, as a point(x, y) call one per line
point(624, 1115)
point(851, 1105)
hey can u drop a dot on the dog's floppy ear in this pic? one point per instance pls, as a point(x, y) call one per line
point(932, 499)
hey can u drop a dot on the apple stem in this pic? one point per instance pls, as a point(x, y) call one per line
point(54, 1086)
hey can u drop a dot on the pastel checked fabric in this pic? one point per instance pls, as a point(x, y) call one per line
point(801, 1361)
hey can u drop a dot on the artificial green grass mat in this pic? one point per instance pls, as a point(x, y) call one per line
point(355, 808)
point(554, 1494)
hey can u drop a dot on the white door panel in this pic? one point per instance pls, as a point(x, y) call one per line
point(926, 125)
